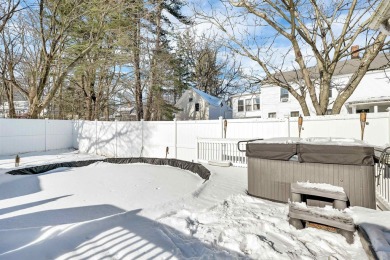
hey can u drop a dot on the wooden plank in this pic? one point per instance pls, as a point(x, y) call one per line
point(298, 188)
point(307, 216)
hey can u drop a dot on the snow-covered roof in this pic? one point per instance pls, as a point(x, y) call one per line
point(343, 67)
point(370, 100)
point(214, 101)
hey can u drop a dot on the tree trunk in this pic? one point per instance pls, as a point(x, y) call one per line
point(154, 94)
point(10, 98)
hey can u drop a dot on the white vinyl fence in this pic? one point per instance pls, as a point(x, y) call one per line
point(202, 140)
point(25, 135)
point(186, 140)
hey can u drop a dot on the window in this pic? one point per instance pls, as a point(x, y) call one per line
point(283, 94)
point(330, 92)
point(294, 114)
point(256, 103)
point(272, 115)
point(240, 105)
point(248, 104)
point(328, 112)
point(196, 106)
point(190, 99)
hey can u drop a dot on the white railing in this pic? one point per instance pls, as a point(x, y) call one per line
point(383, 181)
point(215, 149)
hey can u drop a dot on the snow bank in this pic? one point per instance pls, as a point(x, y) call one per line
point(259, 229)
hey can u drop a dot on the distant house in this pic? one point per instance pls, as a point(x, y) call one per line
point(372, 94)
point(246, 105)
point(198, 105)
point(21, 109)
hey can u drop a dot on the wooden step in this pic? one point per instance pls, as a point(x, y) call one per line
point(301, 189)
point(322, 216)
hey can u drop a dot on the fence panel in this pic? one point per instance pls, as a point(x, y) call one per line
point(256, 128)
point(129, 139)
point(85, 136)
point(106, 138)
point(21, 135)
point(59, 134)
point(157, 137)
point(347, 126)
point(189, 131)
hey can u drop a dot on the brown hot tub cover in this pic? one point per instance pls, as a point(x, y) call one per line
point(336, 154)
point(271, 151)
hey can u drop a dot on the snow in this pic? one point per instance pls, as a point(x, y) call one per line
point(214, 101)
point(109, 211)
point(314, 140)
point(328, 211)
point(321, 186)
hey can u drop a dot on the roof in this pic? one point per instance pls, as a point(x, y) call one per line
point(245, 94)
point(342, 68)
point(214, 101)
point(383, 99)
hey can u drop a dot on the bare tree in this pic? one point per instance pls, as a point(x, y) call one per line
point(294, 35)
point(7, 9)
point(64, 33)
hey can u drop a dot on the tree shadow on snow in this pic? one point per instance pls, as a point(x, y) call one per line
point(126, 235)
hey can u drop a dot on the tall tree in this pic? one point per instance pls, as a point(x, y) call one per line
point(58, 52)
point(319, 33)
point(155, 100)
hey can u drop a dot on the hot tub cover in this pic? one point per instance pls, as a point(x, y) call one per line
point(271, 151)
point(336, 154)
point(313, 153)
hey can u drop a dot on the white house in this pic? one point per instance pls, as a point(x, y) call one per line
point(198, 105)
point(21, 108)
point(372, 94)
point(246, 105)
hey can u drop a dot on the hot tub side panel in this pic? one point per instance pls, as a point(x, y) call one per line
point(271, 179)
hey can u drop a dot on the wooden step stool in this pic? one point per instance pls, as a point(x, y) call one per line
point(301, 213)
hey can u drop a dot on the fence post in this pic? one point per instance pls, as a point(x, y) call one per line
point(116, 138)
point(219, 143)
point(46, 122)
point(142, 137)
point(175, 125)
point(287, 118)
point(221, 125)
point(96, 136)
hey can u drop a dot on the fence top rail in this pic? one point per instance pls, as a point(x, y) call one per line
point(223, 140)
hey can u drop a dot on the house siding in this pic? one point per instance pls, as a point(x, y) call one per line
point(373, 85)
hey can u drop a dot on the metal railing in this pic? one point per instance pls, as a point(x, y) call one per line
point(213, 149)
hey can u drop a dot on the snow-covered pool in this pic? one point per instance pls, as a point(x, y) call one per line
point(138, 211)
point(91, 192)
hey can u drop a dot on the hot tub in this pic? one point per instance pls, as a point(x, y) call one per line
point(274, 164)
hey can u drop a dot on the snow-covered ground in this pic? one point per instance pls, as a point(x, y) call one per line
point(109, 211)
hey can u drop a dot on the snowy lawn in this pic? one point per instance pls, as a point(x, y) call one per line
point(110, 211)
